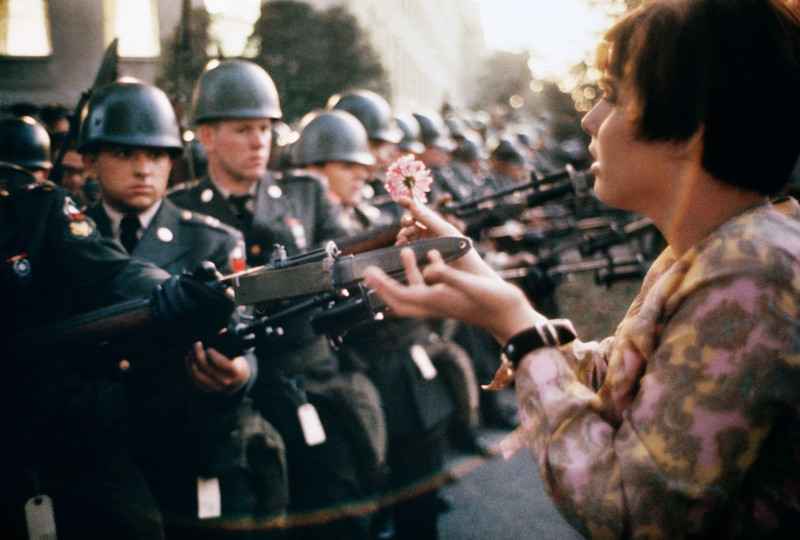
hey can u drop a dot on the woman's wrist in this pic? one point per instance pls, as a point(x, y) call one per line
point(516, 320)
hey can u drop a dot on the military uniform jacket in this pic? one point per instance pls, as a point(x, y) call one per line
point(292, 211)
point(179, 240)
point(55, 264)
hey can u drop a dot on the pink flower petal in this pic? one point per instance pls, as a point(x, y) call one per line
point(408, 177)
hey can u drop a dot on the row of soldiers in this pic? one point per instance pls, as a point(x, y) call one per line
point(295, 435)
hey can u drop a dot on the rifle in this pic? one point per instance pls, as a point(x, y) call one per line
point(577, 183)
point(106, 74)
point(491, 210)
point(287, 286)
point(608, 270)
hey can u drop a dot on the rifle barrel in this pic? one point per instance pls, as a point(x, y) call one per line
point(508, 191)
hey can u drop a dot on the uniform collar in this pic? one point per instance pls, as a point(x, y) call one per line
point(115, 216)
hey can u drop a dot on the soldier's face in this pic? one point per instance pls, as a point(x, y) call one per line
point(346, 180)
point(73, 176)
point(130, 178)
point(385, 153)
point(238, 150)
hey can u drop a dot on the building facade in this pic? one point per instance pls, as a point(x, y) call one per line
point(50, 50)
point(432, 49)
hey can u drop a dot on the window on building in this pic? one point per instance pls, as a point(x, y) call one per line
point(24, 28)
point(135, 23)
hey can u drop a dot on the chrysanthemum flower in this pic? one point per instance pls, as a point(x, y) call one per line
point(408, 177)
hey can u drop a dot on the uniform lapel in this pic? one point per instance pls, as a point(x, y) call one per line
point(100, 219)
point(162, 242)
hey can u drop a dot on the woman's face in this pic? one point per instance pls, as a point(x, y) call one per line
point(630, 173)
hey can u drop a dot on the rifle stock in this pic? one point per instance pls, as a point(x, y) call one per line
point(116, 322)
point(373, 238)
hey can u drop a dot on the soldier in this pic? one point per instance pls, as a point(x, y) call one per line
point(375, 114)
point(508, 165)
point(234, 105)
point(25, 143)
point(395, 354)
point(67, 457)
point(181, 425)
point(333, 145)
point(411, 141)
point(437, 157)
point(70, 173)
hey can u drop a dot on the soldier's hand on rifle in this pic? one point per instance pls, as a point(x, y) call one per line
point(213, 372)
point(193, 306)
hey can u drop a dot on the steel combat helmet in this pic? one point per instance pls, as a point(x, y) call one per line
point(234, 89)
point(24, 142)
point(372, 111)
point(131, 113)
point(331, 136)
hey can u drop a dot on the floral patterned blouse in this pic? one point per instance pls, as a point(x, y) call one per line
point(685, 423)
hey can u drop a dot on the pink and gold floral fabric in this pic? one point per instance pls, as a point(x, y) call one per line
point(685, 422)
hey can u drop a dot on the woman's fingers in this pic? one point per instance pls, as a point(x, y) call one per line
point(413, 274)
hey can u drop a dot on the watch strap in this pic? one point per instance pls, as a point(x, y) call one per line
point(551, 333)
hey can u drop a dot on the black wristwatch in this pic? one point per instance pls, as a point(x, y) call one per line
point(551, 333)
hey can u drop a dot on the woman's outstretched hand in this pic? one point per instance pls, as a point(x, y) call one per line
point(481, 298)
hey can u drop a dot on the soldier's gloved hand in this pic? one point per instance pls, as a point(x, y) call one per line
point(194, 306)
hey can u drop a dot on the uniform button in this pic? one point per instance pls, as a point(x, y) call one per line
point(255, 249)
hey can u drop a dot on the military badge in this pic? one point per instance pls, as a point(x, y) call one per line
point(80, 228)
point(71, 210)
point(21, 265)
point(164, 234)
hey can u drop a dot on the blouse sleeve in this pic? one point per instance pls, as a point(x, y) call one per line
point(678, 420)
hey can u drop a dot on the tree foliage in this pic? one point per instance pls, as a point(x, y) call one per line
point(185, 55)
point(504, 74)
point(312, 55)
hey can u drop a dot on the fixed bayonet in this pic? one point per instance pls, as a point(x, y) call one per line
point(332, 271)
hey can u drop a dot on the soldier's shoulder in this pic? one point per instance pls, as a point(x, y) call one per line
point(208, 224)
point(16, 181)
point(300, 176)
point(303, 182)
point(34, 190)
point(184, 187)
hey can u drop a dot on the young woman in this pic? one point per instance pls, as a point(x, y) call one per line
point(686, 421)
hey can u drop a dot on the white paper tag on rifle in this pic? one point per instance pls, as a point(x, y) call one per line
point(313, 431)
point(420, 357)
point(209, 498)
point(40, 518)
